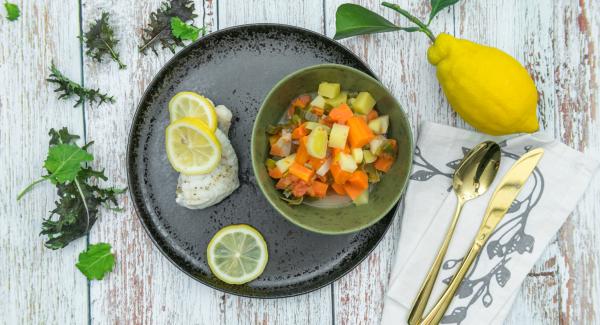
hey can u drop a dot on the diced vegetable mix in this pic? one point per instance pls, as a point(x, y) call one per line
point(332, 142)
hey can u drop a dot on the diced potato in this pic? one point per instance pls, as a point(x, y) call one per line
point(363, 198)
point(324, 168)
point(284, 164)
point(316, 144)
point(313, 125)
point(369, 157)
point(319, 102)
point(357, 154)
point(338, 100)
point(377, 144)
point(346, 162)
point(364, 103)
point(329, 90)
point(338, 136)
point(380, 125)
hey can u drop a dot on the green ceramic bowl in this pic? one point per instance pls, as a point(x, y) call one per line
point(383, 196)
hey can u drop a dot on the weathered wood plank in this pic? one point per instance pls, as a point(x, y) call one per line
point(523, 29)
point(399, 59)
point(37, 285)
point(145, 288)
point(315, 307)
point(575, 40)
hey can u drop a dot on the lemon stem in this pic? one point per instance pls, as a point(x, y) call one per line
point(422, 26)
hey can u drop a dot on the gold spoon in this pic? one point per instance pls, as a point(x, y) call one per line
point(471, 179)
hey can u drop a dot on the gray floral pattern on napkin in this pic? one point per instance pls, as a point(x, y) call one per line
point(508, 239)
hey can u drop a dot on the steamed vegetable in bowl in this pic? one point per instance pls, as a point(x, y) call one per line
point(330, 144)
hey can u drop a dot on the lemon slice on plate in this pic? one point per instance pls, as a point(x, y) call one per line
point(192, 147)
point(190, 104)
point(237, 254)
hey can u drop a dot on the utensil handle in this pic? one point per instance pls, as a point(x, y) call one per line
point(425, 292)
point(438, 311)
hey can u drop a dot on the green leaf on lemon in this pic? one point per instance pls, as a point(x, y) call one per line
point(352, 20)
point(439, 5)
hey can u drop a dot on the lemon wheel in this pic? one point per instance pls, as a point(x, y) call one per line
point(237, 254)
point(190, 104)
point(192, 147)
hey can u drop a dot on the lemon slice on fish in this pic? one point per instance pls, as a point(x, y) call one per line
point(237, 254)
point(192, 147)
point(190, 104)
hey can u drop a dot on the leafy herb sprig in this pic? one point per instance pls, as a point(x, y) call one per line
point(96, 261)
point(100, 40)
point(159, 28)
point(70, 88)
point(352, 20)
point(79, 199)
point(185, 31)
point(12, 11)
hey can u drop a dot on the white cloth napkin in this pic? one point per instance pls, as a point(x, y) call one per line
point(490, 287)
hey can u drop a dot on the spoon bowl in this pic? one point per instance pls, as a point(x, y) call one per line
point(476, 171)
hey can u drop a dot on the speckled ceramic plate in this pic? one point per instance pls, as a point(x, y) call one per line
point(237, 67)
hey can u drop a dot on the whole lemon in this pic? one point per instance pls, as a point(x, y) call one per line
point(488, 88)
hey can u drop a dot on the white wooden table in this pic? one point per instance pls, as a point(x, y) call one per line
point(557, 40)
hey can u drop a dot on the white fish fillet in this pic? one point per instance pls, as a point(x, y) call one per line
point(202, 191)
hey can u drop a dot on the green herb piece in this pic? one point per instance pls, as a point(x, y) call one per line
point(96, 261)
point(270, 163)
point(159, 27)
point(352, 20)
point(293, 200)
point(79, 195)
point(70, 88)
point(372, 173)
point(100, 40)
point(184, 31)
point(274, 129)
point(12, 11)
point(64, 162)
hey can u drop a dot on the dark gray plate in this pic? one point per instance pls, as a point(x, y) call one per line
point(237, 67)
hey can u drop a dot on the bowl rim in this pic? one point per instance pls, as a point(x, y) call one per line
point(255, 164)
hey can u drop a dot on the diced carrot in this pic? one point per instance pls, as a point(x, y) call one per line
point(275, 173)
point(372, 115)
point(359, 179)
point(301, 172)
point(393, 143)
point(286, 181)
point(273, 139)
point(353, 191)
point(336, 151)
point(326, 121)
point(339, 176)
point(359, 134)
point(299, 132)
point(300, 188)
point(318, 189)
point(301, 101)
point(338, 188)
point(341, 113)
point(283, 146)
point(315, 163)
point(302, 155)
point(384, 163)
point(317, 111)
